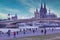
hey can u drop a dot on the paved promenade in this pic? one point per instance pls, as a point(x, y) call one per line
point(28, 32)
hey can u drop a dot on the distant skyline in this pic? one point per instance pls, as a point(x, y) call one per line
point(25, 8)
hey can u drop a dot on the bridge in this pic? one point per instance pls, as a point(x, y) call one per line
point(45, 20)
point(56, 20)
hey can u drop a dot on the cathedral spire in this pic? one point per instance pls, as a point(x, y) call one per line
point(41, 9)
point(41, 6)
point(49, 11)
point(16, 16)
point(44, 5)
point(45, 9)
point(37, 14)
point(36, 10)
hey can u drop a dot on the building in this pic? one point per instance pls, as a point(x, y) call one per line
point(12, 17)
point(37, 14)
point(41, 16)
point(42, 13)
point(8, 16)
point(51, 15)
point(15, 17)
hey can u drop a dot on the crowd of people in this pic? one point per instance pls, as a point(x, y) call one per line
point(24, 31)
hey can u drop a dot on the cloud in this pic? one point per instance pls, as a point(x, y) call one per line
point(52, 11)
point(12, 11)
point(6, 11)
point(27, 3)
point(31, 10)
point(23, 17)
point(15, 11)
point(3, 16)
point(31, 3)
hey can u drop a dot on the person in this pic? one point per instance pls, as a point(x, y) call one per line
point(33, 31)
point(41, 31)
point(52, 29)
point(8, 33)
point(45, 31)
point(30, 29)
point(36, 28)
point(1, 33)
point(24, 31)
point(17, 32)
point(14, 33)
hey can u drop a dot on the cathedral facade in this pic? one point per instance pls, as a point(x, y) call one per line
point(42, 13)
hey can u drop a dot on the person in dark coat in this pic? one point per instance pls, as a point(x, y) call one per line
point(33, 31)
point(17, 32)
point(24, 31)
point(9, 33)
point(45, 31)
point(41, 31)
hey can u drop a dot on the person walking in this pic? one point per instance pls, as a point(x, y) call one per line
point(14, 34)
point(33, 31)
point(17, 32)
point(45, 31)
point(24, 31)
point(42, 31)
point(9, 33)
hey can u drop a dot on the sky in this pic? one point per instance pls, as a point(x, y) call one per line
point(25, 8)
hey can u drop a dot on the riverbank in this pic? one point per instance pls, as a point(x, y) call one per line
point(55, 36)
point(32, 33)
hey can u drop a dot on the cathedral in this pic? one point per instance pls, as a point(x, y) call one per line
point(42, 13)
